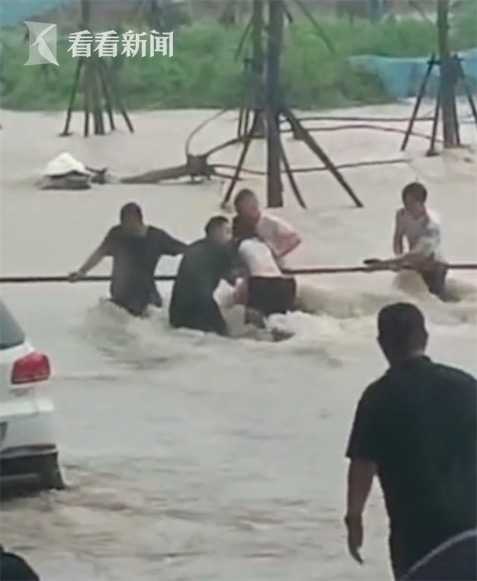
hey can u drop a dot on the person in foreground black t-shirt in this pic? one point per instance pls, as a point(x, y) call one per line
point(454, 560)
point(204, 264)
point(416, 428)
point(135, 249)
point(15, 568)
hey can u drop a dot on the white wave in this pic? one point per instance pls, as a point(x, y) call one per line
point(352, 302)
point(322, 337)
point(343, 303)
point(145, 342)
point(461, 308)
point(328, 318)
point(411, 283)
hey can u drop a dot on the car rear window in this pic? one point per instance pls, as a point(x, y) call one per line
point(11, 334)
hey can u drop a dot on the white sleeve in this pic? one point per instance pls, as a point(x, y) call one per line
point(283, 236)
point(242, 255)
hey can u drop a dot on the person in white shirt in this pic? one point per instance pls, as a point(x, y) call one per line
point(419, 228)
point(269, 291)
point(280, 237)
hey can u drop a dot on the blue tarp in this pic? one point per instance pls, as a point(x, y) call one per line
point(13, 12)
point(401, 77)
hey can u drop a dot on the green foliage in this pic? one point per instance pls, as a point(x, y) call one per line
point(464, 25)
point(205, 73)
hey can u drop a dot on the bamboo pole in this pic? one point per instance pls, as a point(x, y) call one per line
point(172, 277)
point(320, 153)
point(61, 279)
point(367, 270)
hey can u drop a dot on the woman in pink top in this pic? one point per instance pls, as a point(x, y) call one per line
point(269, 291)
point(277, 234)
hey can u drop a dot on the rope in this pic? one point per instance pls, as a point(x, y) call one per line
point(223, 145)
point(358, 119)
point(261, 173)
point(201, 126)
point(352, 165)
point(364, 126)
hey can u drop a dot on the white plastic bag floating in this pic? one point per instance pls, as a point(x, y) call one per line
point(65, 164)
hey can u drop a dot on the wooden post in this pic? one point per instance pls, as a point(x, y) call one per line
point(229, 15)
point(155, 19)
point(254, 67)
point(258, 53)
point(435, 124)
point(87, 101)
point(96, 98)
point(258, 65)
point(90, 80)
point(321, 154)
point(447, 80)
point(274, 107)
point(109, 75)
point(69, 113)
point(85, 13)
point(246, 146)
point(275, 41)
point(420, 96)
point(100, 91)
point(107, 97)
point(90, 101)
point(375, 10)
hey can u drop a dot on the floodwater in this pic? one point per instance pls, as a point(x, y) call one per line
point(192, 457)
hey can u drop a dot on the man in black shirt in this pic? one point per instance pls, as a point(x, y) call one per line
point(204, 264)
point(454, 560)
point(15, 568)
point(416, 428)
point(136, 249)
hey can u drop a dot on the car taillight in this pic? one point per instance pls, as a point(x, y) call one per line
point(31, 368)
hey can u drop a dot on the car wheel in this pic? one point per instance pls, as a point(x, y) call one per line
point(50, 475)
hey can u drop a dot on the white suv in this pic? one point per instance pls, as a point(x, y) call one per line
point(28, 450)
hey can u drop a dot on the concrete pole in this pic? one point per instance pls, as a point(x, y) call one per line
point(276, 22)
point(447, 82)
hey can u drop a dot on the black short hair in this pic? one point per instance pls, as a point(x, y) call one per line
point(214, 223)
point(130, 209)
point(243, 195)
point(402, 326)
point(415, 190)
